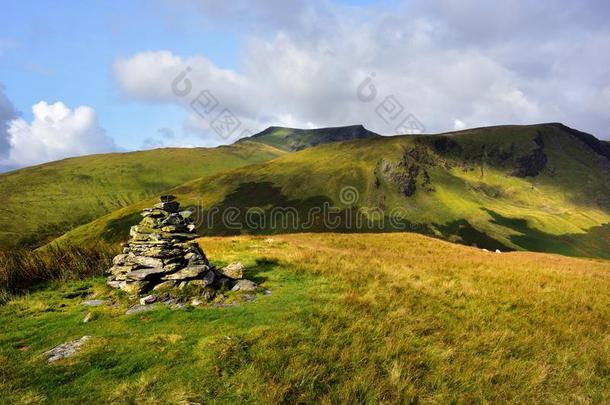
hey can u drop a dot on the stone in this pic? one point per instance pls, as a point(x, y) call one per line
point(88, 318)
point(145, 261)
point(244, 286)
point(135, 287)
point(139, 308)
point(248, 297)
point(187, 273)
point(165, 285)
point(120, 259)
point(233, 270)
point(93, 303)
point(162, 255)
point(170, 206)
point(65, 350)
point(116, 284)
point(149, 299)
point(144, 274)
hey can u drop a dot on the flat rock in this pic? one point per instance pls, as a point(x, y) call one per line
point(149, 299)
point(93, 303)
point(233, 270)
point(245, 286)
point(187, 273)
point(65, 350)
point(139, 308)
point(147, 261)
point(144, 274)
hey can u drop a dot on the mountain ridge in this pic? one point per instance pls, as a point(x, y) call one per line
point(509, 187)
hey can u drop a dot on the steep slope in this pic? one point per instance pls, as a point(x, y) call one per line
point(42, 202)
point(292, 139)
point(538, 187)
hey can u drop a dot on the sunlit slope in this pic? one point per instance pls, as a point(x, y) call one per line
point(366, 318)
point(540, 187)
point(41, 202)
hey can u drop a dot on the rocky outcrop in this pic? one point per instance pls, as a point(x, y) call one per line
point(162, 255)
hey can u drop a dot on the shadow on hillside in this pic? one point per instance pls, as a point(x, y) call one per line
point(594, 243)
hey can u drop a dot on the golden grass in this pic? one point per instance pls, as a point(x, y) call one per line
point(417, 319)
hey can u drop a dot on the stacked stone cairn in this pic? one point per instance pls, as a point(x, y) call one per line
point(161, 255)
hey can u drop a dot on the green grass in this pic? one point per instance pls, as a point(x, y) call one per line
point(42, 202)
point(476, 199)
point(367, 318)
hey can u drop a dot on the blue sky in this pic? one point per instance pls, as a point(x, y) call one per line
point(448, 64)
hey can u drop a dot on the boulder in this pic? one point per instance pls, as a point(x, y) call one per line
point(233, 270)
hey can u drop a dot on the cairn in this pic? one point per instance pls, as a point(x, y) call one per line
point(161, 255)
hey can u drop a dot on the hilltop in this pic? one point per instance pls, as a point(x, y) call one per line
point(537, 187)
point(42, 202)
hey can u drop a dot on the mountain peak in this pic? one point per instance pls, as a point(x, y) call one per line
point(293, 139)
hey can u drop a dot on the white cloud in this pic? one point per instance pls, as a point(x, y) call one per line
point(444, 61)
point(55, 132)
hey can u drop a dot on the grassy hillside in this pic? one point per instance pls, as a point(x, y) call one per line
point(42, 202)
point(368, 318)
point(541, 187)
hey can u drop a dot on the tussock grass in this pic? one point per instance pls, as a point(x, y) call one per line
point(23, 269)
point(352, 318)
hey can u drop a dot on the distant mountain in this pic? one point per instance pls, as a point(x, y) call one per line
point(42, 202)
point(292, 139)
point(539, 187)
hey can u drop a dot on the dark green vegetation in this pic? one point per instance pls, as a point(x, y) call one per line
point(422, 321)
point(22, 270)
point(539, 187)
point(42, 202)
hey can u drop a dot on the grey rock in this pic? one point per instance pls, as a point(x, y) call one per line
point(147, 261)
point(93, 303)
point(144, 274)
point(65, 350)
point(139, 308)
point(245, 286)
point(149, 299)
point(233, 270)
point(187, 273)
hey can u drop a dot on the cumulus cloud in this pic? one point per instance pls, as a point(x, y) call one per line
point(55, 132)
point(447, 63)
